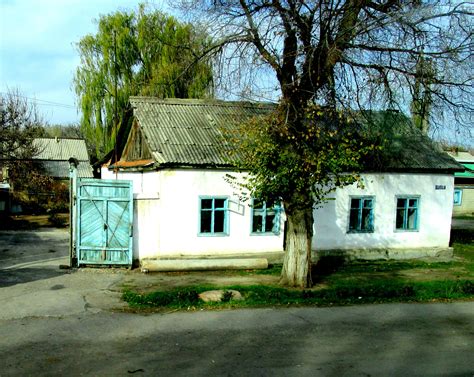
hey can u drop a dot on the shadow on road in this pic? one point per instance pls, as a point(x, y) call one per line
point(25, 275)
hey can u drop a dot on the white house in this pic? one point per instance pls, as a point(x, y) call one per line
point(184, 207)
point(464, 185)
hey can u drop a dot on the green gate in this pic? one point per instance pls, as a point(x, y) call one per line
point(104, 222)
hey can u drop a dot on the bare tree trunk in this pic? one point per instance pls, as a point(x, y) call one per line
point(296, 270)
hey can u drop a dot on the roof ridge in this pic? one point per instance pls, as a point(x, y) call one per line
point(199, 102)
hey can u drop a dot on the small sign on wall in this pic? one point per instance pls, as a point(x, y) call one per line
point(440, 187)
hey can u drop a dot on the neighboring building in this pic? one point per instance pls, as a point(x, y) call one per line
point(464, 184)
point(50, 159)
point(54, 155)
point(184, 207)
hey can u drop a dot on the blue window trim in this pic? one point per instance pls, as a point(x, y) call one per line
point(212, 210)
point(405, 208)
point(276, 228)
point(457, 199)
point(359, 214)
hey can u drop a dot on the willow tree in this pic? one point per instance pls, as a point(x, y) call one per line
point(337, 55)
point(136, 53)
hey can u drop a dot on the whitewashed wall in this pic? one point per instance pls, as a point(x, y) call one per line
point(434, 217)
point(166, 221)
point(166, 209)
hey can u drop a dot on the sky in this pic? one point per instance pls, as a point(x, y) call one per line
point(37, 49)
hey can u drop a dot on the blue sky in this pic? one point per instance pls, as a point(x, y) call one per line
point(37, 53)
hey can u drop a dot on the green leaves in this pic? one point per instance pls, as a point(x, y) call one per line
point(136, 53)
point(303, 161)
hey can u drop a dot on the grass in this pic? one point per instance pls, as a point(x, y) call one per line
point(338, 294)
point(464, 217)
point(340, 283)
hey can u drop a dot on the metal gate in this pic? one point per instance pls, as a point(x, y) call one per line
point(104, 222)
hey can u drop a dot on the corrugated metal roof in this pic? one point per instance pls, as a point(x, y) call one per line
point(407, 149)
point(60, 169)
point(468, 173)
point(60, 149)
point(54, 153)
point(189, 131)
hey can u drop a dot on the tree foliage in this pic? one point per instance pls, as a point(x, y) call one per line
point(136, 53)
point(20, 123)
point(340, 56)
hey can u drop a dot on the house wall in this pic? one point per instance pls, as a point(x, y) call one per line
point(166, 223)
point(166, 216)
point(467, 200)
point(435, 208)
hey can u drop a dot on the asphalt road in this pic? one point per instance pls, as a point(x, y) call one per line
point(19, 247)
point(377, 340)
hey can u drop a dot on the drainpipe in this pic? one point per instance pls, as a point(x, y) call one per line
point(73, 163)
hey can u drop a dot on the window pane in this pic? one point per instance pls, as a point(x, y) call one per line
point(258, 204)
point(457, 197)
point(411, 220)
point(269, 222)
point(257, 223)
point(219, 217)
point(399, 220)
point(413, 203)
point(354, 219)
point(366, 219)
point(206, 217)
point(206, 203)
point(401, 203)
point(355, 203)
point(219, 203)
point(368, 203)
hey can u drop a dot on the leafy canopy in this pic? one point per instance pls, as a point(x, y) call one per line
point(136, 53)
point(301, 165)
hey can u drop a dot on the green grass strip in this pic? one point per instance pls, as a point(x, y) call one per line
point(340, 294)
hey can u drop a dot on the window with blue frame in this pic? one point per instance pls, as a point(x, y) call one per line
point(265, 217)
point(457, 197)
point(213, 216)
point(361, 217)
point(407, 213)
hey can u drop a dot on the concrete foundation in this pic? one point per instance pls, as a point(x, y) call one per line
point(444, 253)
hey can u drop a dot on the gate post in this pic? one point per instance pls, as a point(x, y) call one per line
point(73, 163)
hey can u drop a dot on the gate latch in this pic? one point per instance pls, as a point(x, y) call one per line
point(105, 226)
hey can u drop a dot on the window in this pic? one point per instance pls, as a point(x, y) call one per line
point(361, 217)
point(407, 213)
point(265, 217)
point(213, 216)
point(457, 197)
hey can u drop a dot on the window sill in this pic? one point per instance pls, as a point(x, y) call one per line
point(213, 234)
point(359, 231)
point(260, 234)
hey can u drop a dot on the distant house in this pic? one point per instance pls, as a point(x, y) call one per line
point(51, 158)
point(185, 208)
point(54, 154)
point(464, 184)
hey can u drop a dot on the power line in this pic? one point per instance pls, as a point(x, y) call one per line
point(41, 102)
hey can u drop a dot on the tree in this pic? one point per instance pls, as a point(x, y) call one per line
point(20, 123)
point(421, 96)
point(64, 131)
point(332, 57)
point(137, 53)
